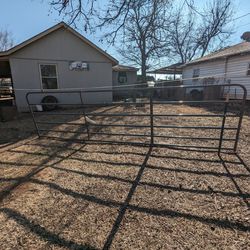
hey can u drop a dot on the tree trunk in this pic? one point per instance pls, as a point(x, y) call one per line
point(143, 62)
point(144, 71)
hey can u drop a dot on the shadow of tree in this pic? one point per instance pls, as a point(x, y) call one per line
point(125, 205)
point(4, 193)
point(42, 232)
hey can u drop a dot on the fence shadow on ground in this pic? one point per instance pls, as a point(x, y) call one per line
point(23, 129)
point(126, 205)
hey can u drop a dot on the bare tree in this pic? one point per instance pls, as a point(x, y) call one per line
point(202, 31)
point(76, 10)
point(88, 12)
point(193, 32)
point(144, 33)
point(182, 36)
point(113, 14)
point(139, 26)
point(6, 40)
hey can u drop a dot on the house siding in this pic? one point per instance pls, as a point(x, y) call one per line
point(233, 70)
point(60, 47)
point(237, 73)
point(131, 78)
point(207, 69)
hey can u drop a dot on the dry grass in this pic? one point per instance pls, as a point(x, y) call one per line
point(67, 195)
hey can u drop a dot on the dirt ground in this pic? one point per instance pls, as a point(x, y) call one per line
point(58, 194)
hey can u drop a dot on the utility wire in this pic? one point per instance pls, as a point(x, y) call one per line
point(239, 17)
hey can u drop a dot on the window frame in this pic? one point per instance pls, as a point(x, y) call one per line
point(195, 75)
point(248, 69)
point(126, 76)
point(41, 77)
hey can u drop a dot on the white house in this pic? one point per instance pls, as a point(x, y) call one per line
point(57, 59)
point(230, 66)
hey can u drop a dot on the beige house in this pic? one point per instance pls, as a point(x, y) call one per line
point(124, 75)
point(57, 59)
point(230, 66)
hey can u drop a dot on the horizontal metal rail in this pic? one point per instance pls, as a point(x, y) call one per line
point(194, 127)
point(61, 131)
point(194, 102)
point(192, 138)
point(121, 125)
point(60, 123)
point(136, 115)
point(56, 104)
point(161, 145)
point(159, 115)
point(154, 103)
point(193, 115)
point(119, 114)
point(133, 103)
point(189, 146)
point(53, 113)
point(162, 136)
point(121, 134)
point(162, 126)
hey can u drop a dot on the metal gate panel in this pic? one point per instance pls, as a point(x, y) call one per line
point(143, 118)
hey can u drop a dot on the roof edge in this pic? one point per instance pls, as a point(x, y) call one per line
point(50, 30)
point(32, 39)
point(120, 68)
point(216, 58)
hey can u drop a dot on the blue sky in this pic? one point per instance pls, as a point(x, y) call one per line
point(26, 18)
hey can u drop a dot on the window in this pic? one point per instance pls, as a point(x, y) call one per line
point(248, 70)
point(122, 77)
point(196, 73)
point(48, 76)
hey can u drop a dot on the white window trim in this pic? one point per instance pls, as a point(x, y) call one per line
point(41, 77)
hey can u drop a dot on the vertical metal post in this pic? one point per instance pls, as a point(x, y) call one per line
point(84, 115)
point(151, 121)
point(223, 123)
point(242, 110)
point(33, 116)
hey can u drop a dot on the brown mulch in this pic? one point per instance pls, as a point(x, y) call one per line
point(66, 195)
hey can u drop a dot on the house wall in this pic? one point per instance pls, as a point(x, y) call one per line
point(209, 69)
point(60, 47)
point(131, 77)
point(237, 73)
point(233, 71)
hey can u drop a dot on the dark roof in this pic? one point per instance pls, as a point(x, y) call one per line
point(238, 49)
point(171, 69)
point(124, 68)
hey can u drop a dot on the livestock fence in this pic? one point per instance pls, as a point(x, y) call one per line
point(143, 116)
